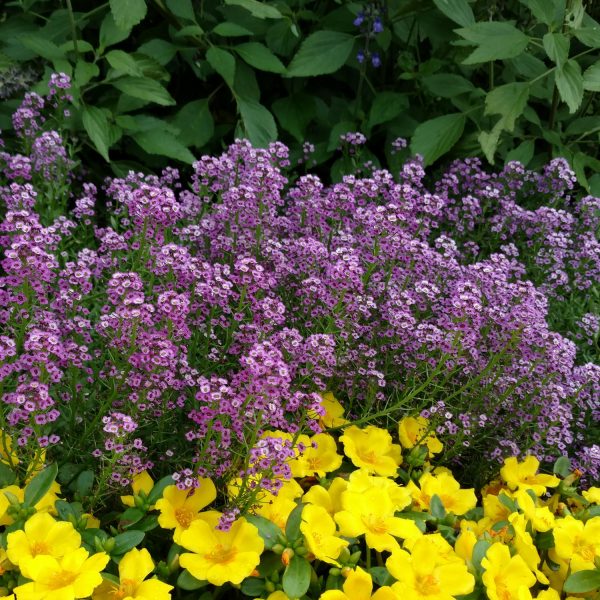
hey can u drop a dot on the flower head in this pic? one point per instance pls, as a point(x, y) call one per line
point(319, 531)
point(524, 475)
point(415, 430)
point(359, 586)
point(506, 577)
point(442, 484)
point(372, 449)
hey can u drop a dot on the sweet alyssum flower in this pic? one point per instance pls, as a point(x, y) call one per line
point(134, 567)
point(179, 508)
point(524, 475)
point(75, 575)
point(319, 531)
point(372, 449)
point(41, 535)
point(414, 430)
point(506, 577)
point(577, 541)
point(425, 574)
point(359, 586)
point(220, 556)
point(455, 500)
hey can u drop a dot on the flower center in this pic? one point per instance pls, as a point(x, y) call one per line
point(586, 551)
point(367, 456)
point(39, 548)
point(376, 524)
point(222, 555)
point(427, 584)
point(62, 579)
point(314, 463)
point(184, 516)
point(128, 587)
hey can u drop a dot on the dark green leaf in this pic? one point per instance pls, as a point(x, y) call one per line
point(386, 106)
point(195, 123)
point(435, 137)
point(589, 36)
point(182, 9)
point(128, 13)
point(336, 131)
point(258, 122)
point(458, 11)
point(190, 31)
point(260, 57)
point(321, 53)
point(126, 541)
point(130, 517)
point(584, 125)
point(39, 486)
point(160, 50)
point(522, 153)
point(145, 123)
point(260, 10)
point(123, 62)
point(562, 466)
point(508, 101)
point(292, 527)
point(296, 578)
point(582, 582)
point(542, 10)
point(447, 85)
point(65, 510)
point(144, 89)
point(495, 40)
point(84, 482)
point(594, 184)
point(545, 540)
point(186, 581)
point(253, 586)
point(570, 84)
point(381, 576)
point(479, 551)
point(591, 78)
point(163, 143)
point(231, 30)
point(294, 113)
point(223, 63)
point(42, 47)
point(436, 507)
point(84, 72)
point(556, 46)
point(7, 475)
point(268, 531)
point(111, 33)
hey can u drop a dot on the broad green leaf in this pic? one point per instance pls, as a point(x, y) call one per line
point(381, 576)
point(128, 13)
point(82, 46)
point(260, 10)
point(542, 10)
point(145, 123)
point(495, 40)
point(123, 62)
point(253, 586)
point(435, 137)
point(556, 46)
point(488, 140)
point(267, 530)
point(144, 89)
point(296, 578)
point(223, 63)
point(42, 47)
point(195, 123)
point(479, 551)
point(96, 124)
point(7, 475)
point(458, 11)
point(84, 72)
point(523, 153)
point(126, 541)
point(85, 482)
point(589, 36)
point(190, 31)
point(292, 526)
point(258, 122)
point(321, 53)
point(182, 9)
point(111, 33)
point(594, 184)
point(245, 83)
point(130, 517)
point(582, 582)
point(386, 106)
point(569, 82)
point(294, 113)
point(583, 125)
point(562, 466)
point(39, 486)
point(163, 143)
point(509, 101)
point(231, 30)
point(447, 85)
point(260, 57)
point(160, 50)
point(187, 582)
point(591, 78)
point(436, 507)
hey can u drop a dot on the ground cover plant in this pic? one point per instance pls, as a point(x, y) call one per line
point(234, 357)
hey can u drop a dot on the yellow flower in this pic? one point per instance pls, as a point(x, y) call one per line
point(372, 513)
point(523, 544)
point(46, 503)
point(134, 567)
point(372, 449)
point(425, 575)
point(465, 543)
point(334, 412)
point(290, 488)
point(540, 516)
point(142, 482)
point(180, 508)
point(359, 586)
point(414, 430)
point(524, 475)
point(329, 498)
point(220, 556)
point(91, 522)
point(506, 577)
point(494, 509)
point(75, 575)
point(578, 542)
point(454, 499)
point(7, 455)
point(360, 481)
point(317, 461)
point(318, 529)
point(592, 495)
point(277, 509)
point(42, 535)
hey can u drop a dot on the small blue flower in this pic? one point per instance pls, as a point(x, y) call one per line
point(360, 17)
point(377, 25)
point(360, 56)
point(376, 60)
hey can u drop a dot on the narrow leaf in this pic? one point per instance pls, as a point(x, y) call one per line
point(39, 486)
point(126, 541)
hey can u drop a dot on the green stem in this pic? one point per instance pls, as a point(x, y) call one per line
point(73, 29)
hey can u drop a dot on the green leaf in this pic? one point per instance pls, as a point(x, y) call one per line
point(267, 530)
point(386, 106)
point(186, 581)
point(542, 10)
point(495, 40)
point(583, 125)
point(582, 582)
point(7, 475)
point(523, 152)
point(126, 541)
point(42, 47)
point(190, 31)
point(84, 72)
point(39, 486)
point(508, 101)
point(123, 62)
point(296, 578)
point(562, 466)
point(111, 33)
point(223, 63)
point(545, 540)
point(258, 122)
point(130, 517)
point(253, 586)
point(163, 143)
point(594, 184)
point(144, 89)
point(292, 527)
point(96, 124)
point(381, 576)
point(160, 50)
point(144, 123)
point(182, 9)
point(569, 82)
point(435, 137)
point(260, 10)
point(195, 123)
point(436, 507)
point(556, 46)
point(458, 11)
point(591, 78)
point(320, 53)
point(260, 57)
point(68, 510)
point(85, 482)
point(128, 13)
point(447, 85)
point(294, 113)
point(589, 36)
point(479, 552)
point(231, 30)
